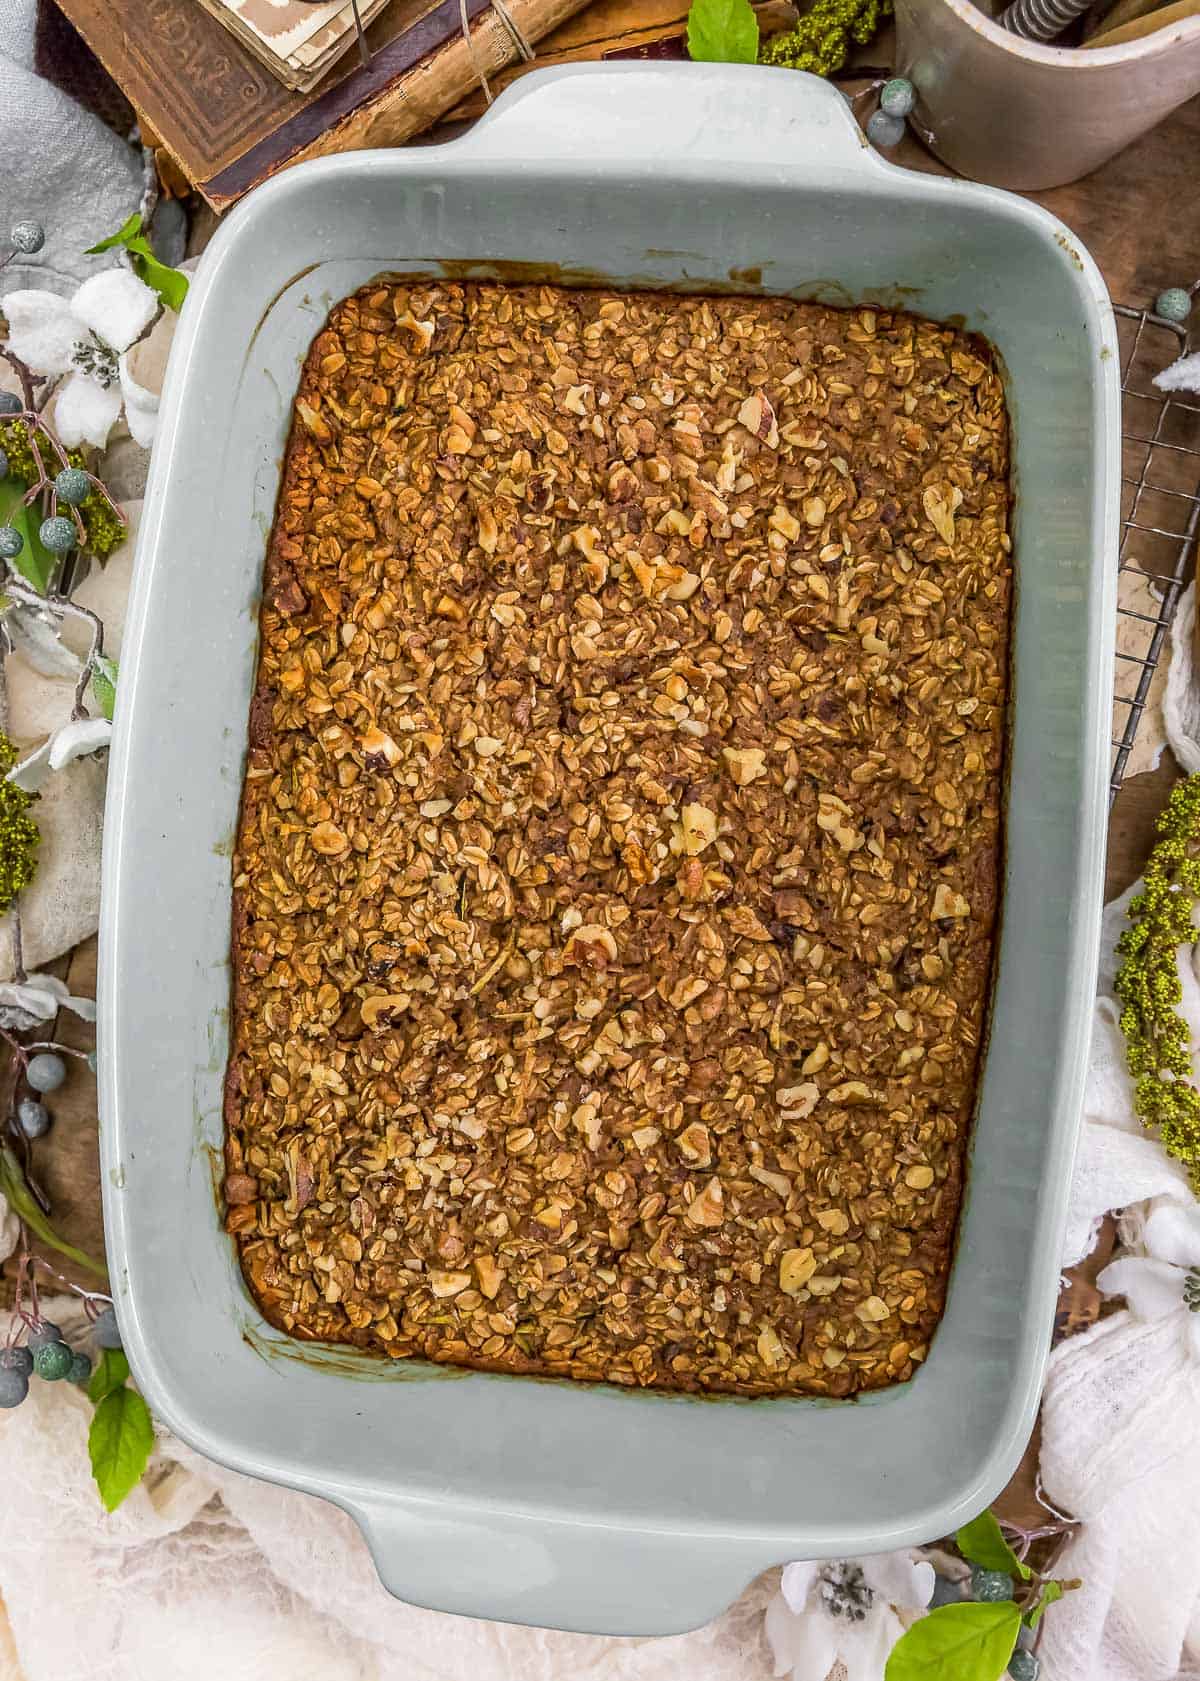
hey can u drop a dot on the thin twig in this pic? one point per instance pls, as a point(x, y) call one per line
point(18, 955)
point(89, 1296)
point(59, 1050)
point(18, 944)
point(19, 1316)
point(33, 1289)
point(25, 376)
point(63, 605)
point(20, 1054)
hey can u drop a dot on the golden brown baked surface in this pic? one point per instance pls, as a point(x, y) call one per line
point(618, 859)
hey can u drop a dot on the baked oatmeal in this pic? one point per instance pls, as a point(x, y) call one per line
point(617, 870)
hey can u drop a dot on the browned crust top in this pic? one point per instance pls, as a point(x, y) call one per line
point(617, 865)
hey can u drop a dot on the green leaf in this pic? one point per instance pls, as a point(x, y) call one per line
point(35, 563)
point(104, 684)
point(20, 1200)
point(119, 1444)
point(722, 32)
point(112, 1369)
point(170, 285)
point(129, 230)
point(1050, 1592)
point(982, 1541)
point(957, 1643)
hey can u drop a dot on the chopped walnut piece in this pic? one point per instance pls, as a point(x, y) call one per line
point(757, 416)
point(379, 750)
point(940, 503)
point(697, 828)
point(770, 1350)
point(695, 1144)
point(745, 763)
point(947, 902)
point(708, 1209)
point(591, 945)
point(422, 331)
point(489, 1275)
point(796, 1267)
point(686, 990)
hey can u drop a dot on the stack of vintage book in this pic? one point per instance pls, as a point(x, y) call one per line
point(229, 123)
point(297, 40)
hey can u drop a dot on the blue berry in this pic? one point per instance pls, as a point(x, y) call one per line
point(16, 1360)
point(897, 97)
point(57, 534)
point(884, 130)
point(27, 237)
point(1023, 1666)
point(106, 1330)
point(3, 465)
point(72, 486)
point(81, 1368)
point(46, 1071)
point(33, 1118)
point(14, 1386)
point(41, 1334)
point(1175, 304)
point(10, 403)
point(945, 1592)
point(11, 542)
point(991, 1585)
point(52, 1361)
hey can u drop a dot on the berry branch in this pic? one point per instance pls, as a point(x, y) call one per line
point(70, 486)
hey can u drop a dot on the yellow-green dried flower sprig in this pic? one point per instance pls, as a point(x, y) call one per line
point(1157, 1039)
point(19, 834)
point(820, 41)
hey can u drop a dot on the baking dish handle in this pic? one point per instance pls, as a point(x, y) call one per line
point(712, 114)
point(549, 1574)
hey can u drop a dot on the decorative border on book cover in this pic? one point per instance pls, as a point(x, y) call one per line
point(179, 35)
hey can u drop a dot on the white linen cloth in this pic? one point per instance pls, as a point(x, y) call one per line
point(203, 1573)
point(1121, 1408)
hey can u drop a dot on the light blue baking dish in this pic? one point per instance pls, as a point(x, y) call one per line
point(547, 1502)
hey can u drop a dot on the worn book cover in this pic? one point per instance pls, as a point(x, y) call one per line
point(230, 124)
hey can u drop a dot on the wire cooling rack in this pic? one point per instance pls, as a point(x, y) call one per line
point(1160, 520)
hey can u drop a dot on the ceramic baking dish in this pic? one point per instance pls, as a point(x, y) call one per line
point(576, 1506)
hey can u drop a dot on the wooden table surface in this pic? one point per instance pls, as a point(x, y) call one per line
point(1140, 218)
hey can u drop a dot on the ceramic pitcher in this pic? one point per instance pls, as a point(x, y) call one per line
point(1015, 113)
